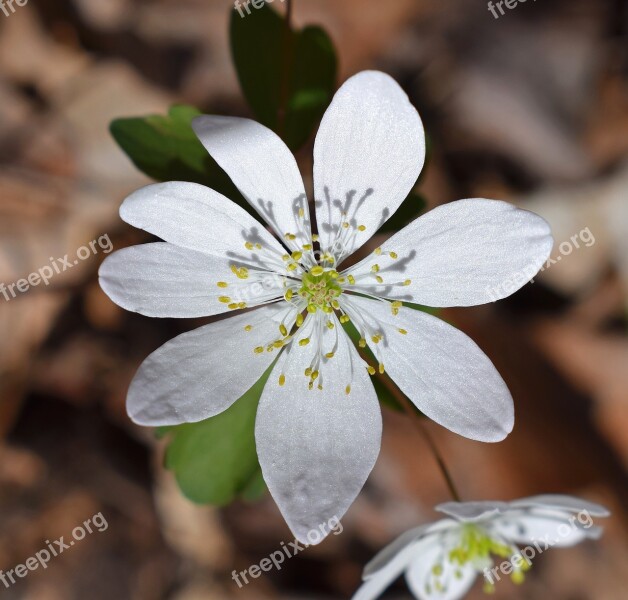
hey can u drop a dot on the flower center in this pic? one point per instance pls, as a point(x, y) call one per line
point(320, 289)
point(476, 547)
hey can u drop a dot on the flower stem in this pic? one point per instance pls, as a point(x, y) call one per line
point(418, 423)
point(286, 65)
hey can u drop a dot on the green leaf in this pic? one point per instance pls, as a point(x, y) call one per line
point(215, 461)
point(262, 52)
point(411, 208)
point(165, 148)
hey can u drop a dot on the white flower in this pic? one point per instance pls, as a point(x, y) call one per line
point(442, 560)
point(318, 424)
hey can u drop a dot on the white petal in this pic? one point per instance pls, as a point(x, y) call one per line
point(463, 253)
point(368, 154)
point(164, 280)
point(562, 502)
point(472, 511)
point(456, 580)
point(196, 217)
point(439, 368)
point(407, 538)
point(317, 447)
point(376, 583)
point(264, 170)
point(203, 372)
point(551, 528)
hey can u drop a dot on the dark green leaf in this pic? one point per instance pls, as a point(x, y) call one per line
point(165, 148)
point(262, 52)
point(215, 461)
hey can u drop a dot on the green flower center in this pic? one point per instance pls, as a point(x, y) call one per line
point(320, 289)
point(477, 548)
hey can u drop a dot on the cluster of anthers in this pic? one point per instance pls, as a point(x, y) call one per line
point(476, 547)
point(317, 295)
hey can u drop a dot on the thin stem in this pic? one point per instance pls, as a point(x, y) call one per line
point(418, 423)
point(286, 65)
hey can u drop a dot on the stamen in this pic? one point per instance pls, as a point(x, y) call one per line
point(222, 284)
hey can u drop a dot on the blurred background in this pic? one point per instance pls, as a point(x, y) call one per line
point(531, 107)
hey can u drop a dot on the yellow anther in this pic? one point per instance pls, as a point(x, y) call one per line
point(381, 368)
point(393, 255)
point(283, 330)
point(301, 212)
point(290, 236)
point(362, 343)
point(402, 331)
point(315, 237)
point(258, 246)
point(224, 299)
point(335, 304)
point(259, 350)
point(282, 379)
point(345, 225)
point(222, 284)
point(241, 273)
point(320, 386)
point(307, 247)
point(328, 309)
point(285, 257)
point(517, 577)
point(371, 370)
point(288, 294)
point(233, 306)
point(351, 279)
point(376, 339)
point(242, 305)
point(333, 274)
point(375, 268)
point(297, 255)
point(248, 327)
point(299, 320)
point(304, 342)
point(308, 371)
point(395, 306)
point(248, 246)
point(314, 375)
point(330, 325)
point(329, 355)
point(317, 271)
point(379, 279)
point(361, 227)
point(278, 343)
point(292, 266)
point(377, 251)
point(341, 279)
point(311, 308)
point(407, 282)
point(348, 390)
